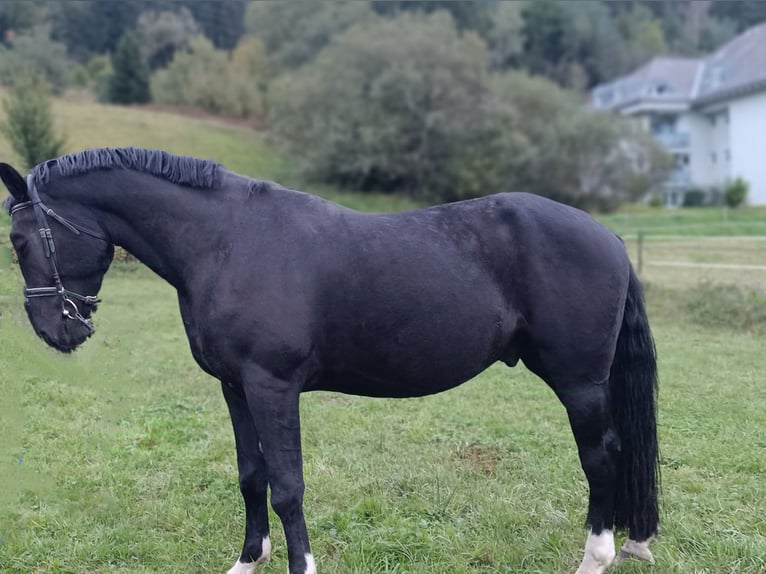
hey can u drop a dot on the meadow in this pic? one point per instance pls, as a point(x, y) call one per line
point(120, 458)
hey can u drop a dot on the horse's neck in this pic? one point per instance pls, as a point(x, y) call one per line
point(166, 226)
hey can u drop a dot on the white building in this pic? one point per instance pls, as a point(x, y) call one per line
point(709, 113)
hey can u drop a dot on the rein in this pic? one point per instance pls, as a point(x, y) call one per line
point(68, 306)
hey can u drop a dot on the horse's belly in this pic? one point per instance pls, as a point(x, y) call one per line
point(420, 358)
point(378, 385)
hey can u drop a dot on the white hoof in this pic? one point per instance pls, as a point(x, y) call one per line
point(242, 568)
point(249, 567)
point(640, 550)
point(599, 553)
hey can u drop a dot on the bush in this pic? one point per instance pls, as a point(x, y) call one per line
point(35, 54)
point(95, 76)
point(29, 123)
point(728, 307)
point(391, 104)
point(736, 192)
point(208, 78)
point(584, 158)
point(694, 198)
point(656, 200)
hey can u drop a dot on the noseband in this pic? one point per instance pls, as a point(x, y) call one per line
point(68, 306)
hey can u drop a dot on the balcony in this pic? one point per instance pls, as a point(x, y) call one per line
point(673, 141)
point(680, 177)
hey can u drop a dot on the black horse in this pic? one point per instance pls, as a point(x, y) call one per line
point(283, 292)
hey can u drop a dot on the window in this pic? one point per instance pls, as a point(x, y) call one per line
point(727, 154)
point(713, 157)
point(663, 124)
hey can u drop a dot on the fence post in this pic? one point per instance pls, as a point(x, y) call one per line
point(640, 261)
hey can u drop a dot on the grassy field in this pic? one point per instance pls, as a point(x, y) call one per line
point(120, 459)
point(694, 221)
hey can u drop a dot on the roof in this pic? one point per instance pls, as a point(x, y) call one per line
point(659, 80)
point(737, 68)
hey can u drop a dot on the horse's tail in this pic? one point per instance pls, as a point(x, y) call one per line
point(633, 389)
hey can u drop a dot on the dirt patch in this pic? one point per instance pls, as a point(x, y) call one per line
point(482, 458)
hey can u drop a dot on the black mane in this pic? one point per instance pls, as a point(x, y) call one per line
point(183, 170)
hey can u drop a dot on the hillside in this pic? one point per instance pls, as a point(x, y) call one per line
point(87, 124)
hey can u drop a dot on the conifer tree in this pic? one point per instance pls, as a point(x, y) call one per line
point(28, 124)
point(130, 82)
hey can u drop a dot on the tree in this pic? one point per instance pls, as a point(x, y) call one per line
point(90, 27)
point(28, 125)
point(505, 38)
point(736, 192)
point(644, 35)
point(223, 22)
point(34, 53)
point(745, 13)
point(476, 16)
point(16, 17)
point(543, 36)
point(391, 104)
point(208, 78)
point(130, 82)
point(293, 33)
point(162, 33)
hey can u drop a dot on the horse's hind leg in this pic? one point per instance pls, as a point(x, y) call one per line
point(588, 409)
point(253, 483)
point(274, 406)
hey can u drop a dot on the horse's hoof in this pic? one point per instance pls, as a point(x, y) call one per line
point(599, 553)
point(242, 568)
point(639, 550)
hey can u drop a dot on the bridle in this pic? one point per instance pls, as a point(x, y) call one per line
point(68, 306)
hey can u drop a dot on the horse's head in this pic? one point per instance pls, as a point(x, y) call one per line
point(63, 259)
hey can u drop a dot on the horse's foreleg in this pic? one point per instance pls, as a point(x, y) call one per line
point(274, 407)
point(589, 414)
point(253, 484)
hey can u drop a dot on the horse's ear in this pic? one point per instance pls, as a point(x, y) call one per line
point(14, 182)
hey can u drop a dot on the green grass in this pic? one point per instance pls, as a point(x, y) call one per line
point(128, 461)
point(120, 459)
point(691, 221)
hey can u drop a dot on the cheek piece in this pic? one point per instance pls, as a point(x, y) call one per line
point(69, 308)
